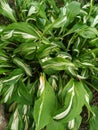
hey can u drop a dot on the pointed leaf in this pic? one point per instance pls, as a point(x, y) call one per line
point(23, 96)
point(74, 94)
point(74, 124)
point(13, 77)
point(23, 66)
point(7, 11)
point(56, 64)
point(93, 122)
point(73, 9)
point(24, 29)
point(16, 121)
point(44, 106)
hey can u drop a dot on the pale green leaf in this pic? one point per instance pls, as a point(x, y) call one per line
point(24, 96)
point(73, 9)
point(54, 125)
point(7, 11)
point(74, 124)
point(93, 122)
point(44, 106)
point(89, 33)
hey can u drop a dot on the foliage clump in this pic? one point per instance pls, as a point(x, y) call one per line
point(48, 63)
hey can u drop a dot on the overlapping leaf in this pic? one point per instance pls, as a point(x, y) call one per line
point(44, 106)
point(56, 64)
point(60, 41)
point(94, 118)
point(72, 95)
point(7, 11)
point(23, 29)
point(23, 66)
point(16, 121)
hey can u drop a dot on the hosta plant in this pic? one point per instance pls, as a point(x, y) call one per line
point(48, 63)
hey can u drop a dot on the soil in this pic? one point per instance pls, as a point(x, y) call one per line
point(3, 119)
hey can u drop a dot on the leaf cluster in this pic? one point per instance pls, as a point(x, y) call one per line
point(48, 63)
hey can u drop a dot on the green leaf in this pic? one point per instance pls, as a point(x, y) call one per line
point(16, 122)
point(23, 66)
point(59, 40)
point(70, 93)
point(3, 58)
point(89, 33)
point(13, 77)
point(8, 85)
point(3, 71)
point(94, 82)
point(22, 29)
point(84, 31)
point(60, 22)
point(74, 94)
point(54, 125)
point(23, 95)
point(8, 93)
point(19, 2)
point(4, 68)
point(93, 42)
point(7, 11)
point(1, 29)
point(53, 3)
point(46, 50)
point(93, 122)
point(74, 124)
point(72, 10)
point(51, 65)
point(44, 106)
point(28, 50)
point(23, 4)
point(37, 8)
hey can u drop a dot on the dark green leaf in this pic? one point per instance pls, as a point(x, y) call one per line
point(23, 94)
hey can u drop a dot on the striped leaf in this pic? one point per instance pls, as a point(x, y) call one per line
point(23, 66)
point(7, 11)
point(93, 120)
point(44, 106)
point(23, 29)
point(16, 121)
point(74, 94)
point(56, 64)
